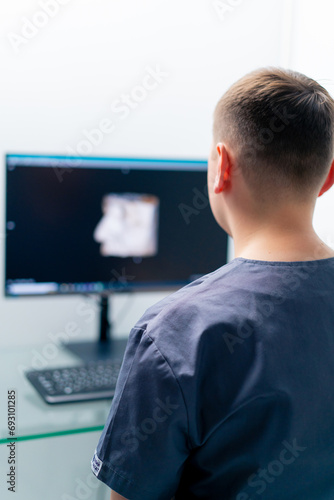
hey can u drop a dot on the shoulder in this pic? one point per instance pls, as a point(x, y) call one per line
point(183, 316)
point(188, 294)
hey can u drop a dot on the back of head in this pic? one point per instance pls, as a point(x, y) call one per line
point(280, 125)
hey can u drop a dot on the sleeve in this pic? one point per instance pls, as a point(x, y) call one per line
point(143, 446)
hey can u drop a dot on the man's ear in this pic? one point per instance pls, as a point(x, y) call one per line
point(328, 182)
point(223, 174)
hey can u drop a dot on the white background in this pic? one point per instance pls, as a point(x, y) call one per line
point(64, 79)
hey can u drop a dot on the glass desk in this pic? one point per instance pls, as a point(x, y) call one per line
point(36, 419)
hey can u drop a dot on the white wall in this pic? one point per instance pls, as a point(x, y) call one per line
point(63, 80)
point(312, 52)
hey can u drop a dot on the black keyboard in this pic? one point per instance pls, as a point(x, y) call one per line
point(91, 381)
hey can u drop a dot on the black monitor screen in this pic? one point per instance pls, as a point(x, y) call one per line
point(85, 225)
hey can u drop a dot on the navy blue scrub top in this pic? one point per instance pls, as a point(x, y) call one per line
point(227, 390)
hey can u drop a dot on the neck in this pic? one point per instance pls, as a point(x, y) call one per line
point(286, 235)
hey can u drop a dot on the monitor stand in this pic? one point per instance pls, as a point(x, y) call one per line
point(105, 347)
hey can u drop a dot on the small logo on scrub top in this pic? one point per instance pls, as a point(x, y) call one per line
point(96, 464)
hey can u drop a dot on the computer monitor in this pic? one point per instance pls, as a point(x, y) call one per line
point(79, 225)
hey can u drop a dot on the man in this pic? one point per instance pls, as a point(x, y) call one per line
point(227, 387)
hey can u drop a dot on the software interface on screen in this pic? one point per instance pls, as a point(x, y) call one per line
point(83, 225)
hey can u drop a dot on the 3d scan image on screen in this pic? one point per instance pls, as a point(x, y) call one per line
point(129, 225)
